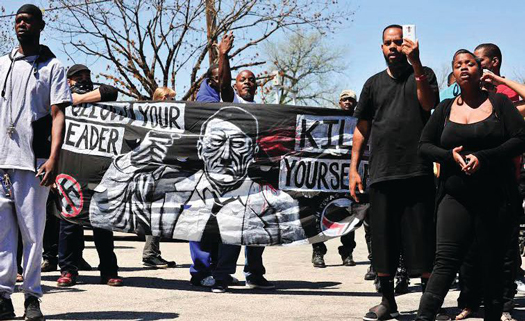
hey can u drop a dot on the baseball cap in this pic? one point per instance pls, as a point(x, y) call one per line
point(76, 68)
point(348, 93)
point(32, 10)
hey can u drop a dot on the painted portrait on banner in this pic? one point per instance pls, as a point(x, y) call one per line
point(219, 202)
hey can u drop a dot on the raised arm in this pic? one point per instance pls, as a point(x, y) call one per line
point(517, 87)
point(103, 93)
point(225, 76)
point(427, 91)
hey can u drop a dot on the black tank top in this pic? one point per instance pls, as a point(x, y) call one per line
point(485, 134)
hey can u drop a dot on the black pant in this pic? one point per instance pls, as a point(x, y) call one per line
point(347, 247)
point(401, 221)
point(459, 223)
point(71, 245)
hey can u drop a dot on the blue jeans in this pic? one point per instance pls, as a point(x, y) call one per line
point(220, 260)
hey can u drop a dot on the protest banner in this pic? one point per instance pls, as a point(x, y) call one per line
point(234, 173)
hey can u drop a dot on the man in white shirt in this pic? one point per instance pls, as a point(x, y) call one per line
point(34, 93)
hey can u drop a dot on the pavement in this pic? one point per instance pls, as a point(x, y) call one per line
point(303, 293)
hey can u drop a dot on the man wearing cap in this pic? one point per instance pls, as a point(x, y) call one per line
point(71, 239)
point(347, 102)
point(34, 92)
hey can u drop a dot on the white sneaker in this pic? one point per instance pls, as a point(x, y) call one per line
point(208, 281)
point(520, 285)
point(505, 316)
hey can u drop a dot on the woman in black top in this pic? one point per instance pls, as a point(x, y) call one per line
point(474, 137)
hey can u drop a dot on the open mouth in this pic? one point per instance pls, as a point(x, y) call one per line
point(464, 75)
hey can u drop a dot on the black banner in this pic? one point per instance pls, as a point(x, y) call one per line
point(236, 173)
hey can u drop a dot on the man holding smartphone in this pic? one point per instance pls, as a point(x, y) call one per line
point(394, 106)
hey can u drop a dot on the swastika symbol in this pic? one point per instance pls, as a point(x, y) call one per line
point(71, 198)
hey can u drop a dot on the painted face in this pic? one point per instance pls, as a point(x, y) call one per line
point(245, 85)
point(226, 151)
point(466, 69)
point(392, 41)
point(27, 27)
point(347, 104)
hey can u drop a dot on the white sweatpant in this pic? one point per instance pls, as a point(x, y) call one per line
point(25, 211)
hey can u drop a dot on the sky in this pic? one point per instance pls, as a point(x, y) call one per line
point(442, 28)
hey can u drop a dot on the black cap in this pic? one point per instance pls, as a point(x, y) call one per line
point(32, 10)
point(76, 68)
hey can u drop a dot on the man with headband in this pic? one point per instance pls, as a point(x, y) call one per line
point(34, 92)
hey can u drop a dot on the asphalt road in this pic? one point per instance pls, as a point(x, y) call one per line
point(303, 293)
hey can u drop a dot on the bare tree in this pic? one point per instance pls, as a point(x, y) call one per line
point(147, 43)
point(7, 33)
point(306, 67)
point(519, 76)
point(442, 75)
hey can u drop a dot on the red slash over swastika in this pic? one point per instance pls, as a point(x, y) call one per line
point(72, 199)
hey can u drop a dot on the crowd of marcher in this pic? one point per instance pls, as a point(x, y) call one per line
point(444, 176)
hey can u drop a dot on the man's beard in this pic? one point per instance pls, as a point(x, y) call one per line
point(402, 61)
point(27, 39)
point(248, 96)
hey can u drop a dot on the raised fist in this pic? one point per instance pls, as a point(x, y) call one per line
point(153, 149)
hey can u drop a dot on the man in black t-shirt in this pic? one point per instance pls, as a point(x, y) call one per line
point(394, 106)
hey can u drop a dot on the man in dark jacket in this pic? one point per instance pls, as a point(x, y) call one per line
point(71, 237)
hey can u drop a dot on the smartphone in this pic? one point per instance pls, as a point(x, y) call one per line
point(486, 85)
point(409, 32)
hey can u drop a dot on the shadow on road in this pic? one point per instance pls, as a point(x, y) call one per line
point(283, 287)
point(114, 315)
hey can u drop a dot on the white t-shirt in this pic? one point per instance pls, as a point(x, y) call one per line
point(239, 100)
point(30, 91)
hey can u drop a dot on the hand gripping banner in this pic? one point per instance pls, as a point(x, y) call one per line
point(234, 173)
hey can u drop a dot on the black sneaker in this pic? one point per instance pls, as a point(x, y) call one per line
point(370, 274)
point(220, 286)
point(32, 309)
point(260, 283)
point(318, 260)
point(83, 265)
point(348, 260)
point(158, 262)
point(6, 309)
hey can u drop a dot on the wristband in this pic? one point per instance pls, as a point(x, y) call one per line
point(421, 78)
